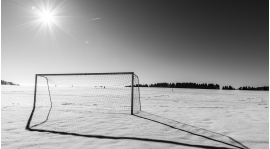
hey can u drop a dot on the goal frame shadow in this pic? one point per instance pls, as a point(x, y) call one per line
point(142, 115)
point(157, 119)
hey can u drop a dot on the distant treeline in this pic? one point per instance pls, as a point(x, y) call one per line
point(199, 86)
point(228, 88)
point(181, 85)
point(3, 82)
point(265, 88)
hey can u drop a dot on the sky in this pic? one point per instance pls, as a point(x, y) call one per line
point(203, 41)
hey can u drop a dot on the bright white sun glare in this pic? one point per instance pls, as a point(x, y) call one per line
point(47, 18)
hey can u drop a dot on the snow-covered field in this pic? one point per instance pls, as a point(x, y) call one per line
point(182, 118)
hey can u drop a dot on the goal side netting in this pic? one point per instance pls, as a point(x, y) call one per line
point(69, 98)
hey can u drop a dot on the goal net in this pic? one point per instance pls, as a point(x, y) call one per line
point(107, 105)
point(65, 97)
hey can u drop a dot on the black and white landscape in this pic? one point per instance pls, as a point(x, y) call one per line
point(202, 74)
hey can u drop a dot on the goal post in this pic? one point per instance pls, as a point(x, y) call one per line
point(72, 96)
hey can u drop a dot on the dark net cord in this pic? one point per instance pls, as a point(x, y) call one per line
point(50, 107)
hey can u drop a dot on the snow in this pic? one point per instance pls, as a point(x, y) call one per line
point(180, 119)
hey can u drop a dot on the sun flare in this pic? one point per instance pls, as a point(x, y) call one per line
point(46, 17)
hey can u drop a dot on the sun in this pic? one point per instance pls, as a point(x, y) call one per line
point(46, 17)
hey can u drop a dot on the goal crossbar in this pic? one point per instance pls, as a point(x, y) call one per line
point(107, 73)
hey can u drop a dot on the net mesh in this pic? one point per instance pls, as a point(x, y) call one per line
point(66, 98)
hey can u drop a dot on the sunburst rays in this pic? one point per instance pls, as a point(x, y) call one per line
point(47, 19)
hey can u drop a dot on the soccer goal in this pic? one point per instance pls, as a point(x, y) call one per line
point(72, 96)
